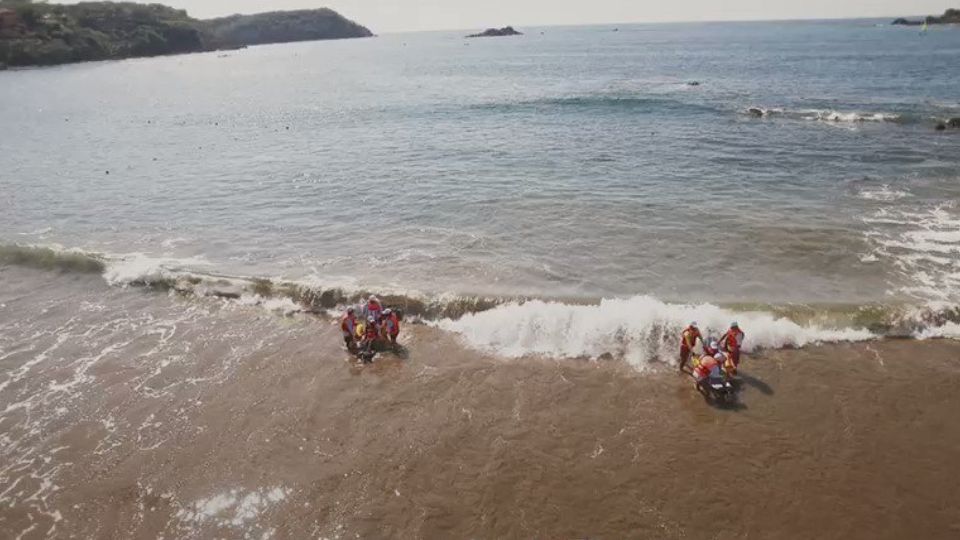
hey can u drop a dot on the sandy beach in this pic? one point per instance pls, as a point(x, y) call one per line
point(128, 414)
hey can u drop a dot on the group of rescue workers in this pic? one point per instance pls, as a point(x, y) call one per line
point(373, 328)
point(720, 358)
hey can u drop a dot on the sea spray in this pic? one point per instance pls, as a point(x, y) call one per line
point(640, 329)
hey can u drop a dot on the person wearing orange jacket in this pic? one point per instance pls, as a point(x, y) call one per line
point(391, 325)
point(688, 339)
point(732, 341)
point(374, 308)
point(348, 325)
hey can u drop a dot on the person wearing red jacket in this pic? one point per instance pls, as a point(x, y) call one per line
point(348, 325)
point(732, 341)
point(688, 339)
point(374, 308)
point(391, 325)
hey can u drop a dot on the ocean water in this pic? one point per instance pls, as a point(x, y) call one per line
point(569, 164)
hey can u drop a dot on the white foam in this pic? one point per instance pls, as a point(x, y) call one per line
point(138, 267)
point(949, 330)
point(233, 508)
point(923, 245)
point(641, 329)
point(885, 194)
point(282, 305)
point(827, 115)
point(848, 117)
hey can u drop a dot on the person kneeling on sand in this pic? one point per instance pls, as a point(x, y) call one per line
point(348, 325)
point(391, 326)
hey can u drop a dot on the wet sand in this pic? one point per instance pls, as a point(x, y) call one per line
point(129, 414)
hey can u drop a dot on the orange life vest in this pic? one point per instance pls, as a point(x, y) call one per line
point(392, 324)
point(733, 339)
point(689, 337)
point(348, 324)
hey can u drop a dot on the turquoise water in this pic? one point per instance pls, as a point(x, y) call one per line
point(569, 162)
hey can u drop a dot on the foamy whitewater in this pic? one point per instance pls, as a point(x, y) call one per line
point(639, 329)
point(574, 192)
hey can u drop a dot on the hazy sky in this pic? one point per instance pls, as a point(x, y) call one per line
point(401, 15)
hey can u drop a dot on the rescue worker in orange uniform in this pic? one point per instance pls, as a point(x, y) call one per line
point(374, 308)
point(348, 324)
point(688, 339)
point(391, 325)
point(732, 341)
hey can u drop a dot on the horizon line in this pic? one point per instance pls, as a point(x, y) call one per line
point(672, 21)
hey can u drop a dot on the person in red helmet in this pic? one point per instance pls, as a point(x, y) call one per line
point(688, 339)
point(391, 325)
point(348, 325)
point(374, 308)
point(732, 341)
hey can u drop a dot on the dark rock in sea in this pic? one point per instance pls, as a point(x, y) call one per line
point(497, 32)
point(905, 22)
point(954, 123)
point(754, 111)
point(941, 126)
point(693, 83)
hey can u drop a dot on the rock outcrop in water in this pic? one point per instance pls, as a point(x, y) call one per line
point(950, 16)
point(46, 34)
point(497, 32)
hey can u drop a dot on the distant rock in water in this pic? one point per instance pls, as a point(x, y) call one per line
point(906, 22)
point(950, 16)
point(497, 32)
point(954, 123)
point(754, 111)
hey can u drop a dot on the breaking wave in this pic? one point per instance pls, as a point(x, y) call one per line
point(49, 259)
point(639, 329)
point(825, 115)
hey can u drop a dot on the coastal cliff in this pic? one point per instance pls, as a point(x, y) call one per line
point(34, 34)
point(950, 16)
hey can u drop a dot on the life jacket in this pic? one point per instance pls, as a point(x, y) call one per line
point(705, 366)
point(349, 324)
point(392, 324)
point(689, 337)
point(733, 339)
point(374, 309)
point(372, 332)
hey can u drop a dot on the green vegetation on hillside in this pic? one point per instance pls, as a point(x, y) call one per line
point(284, 26)
point(45, 34)
point(950, 16)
